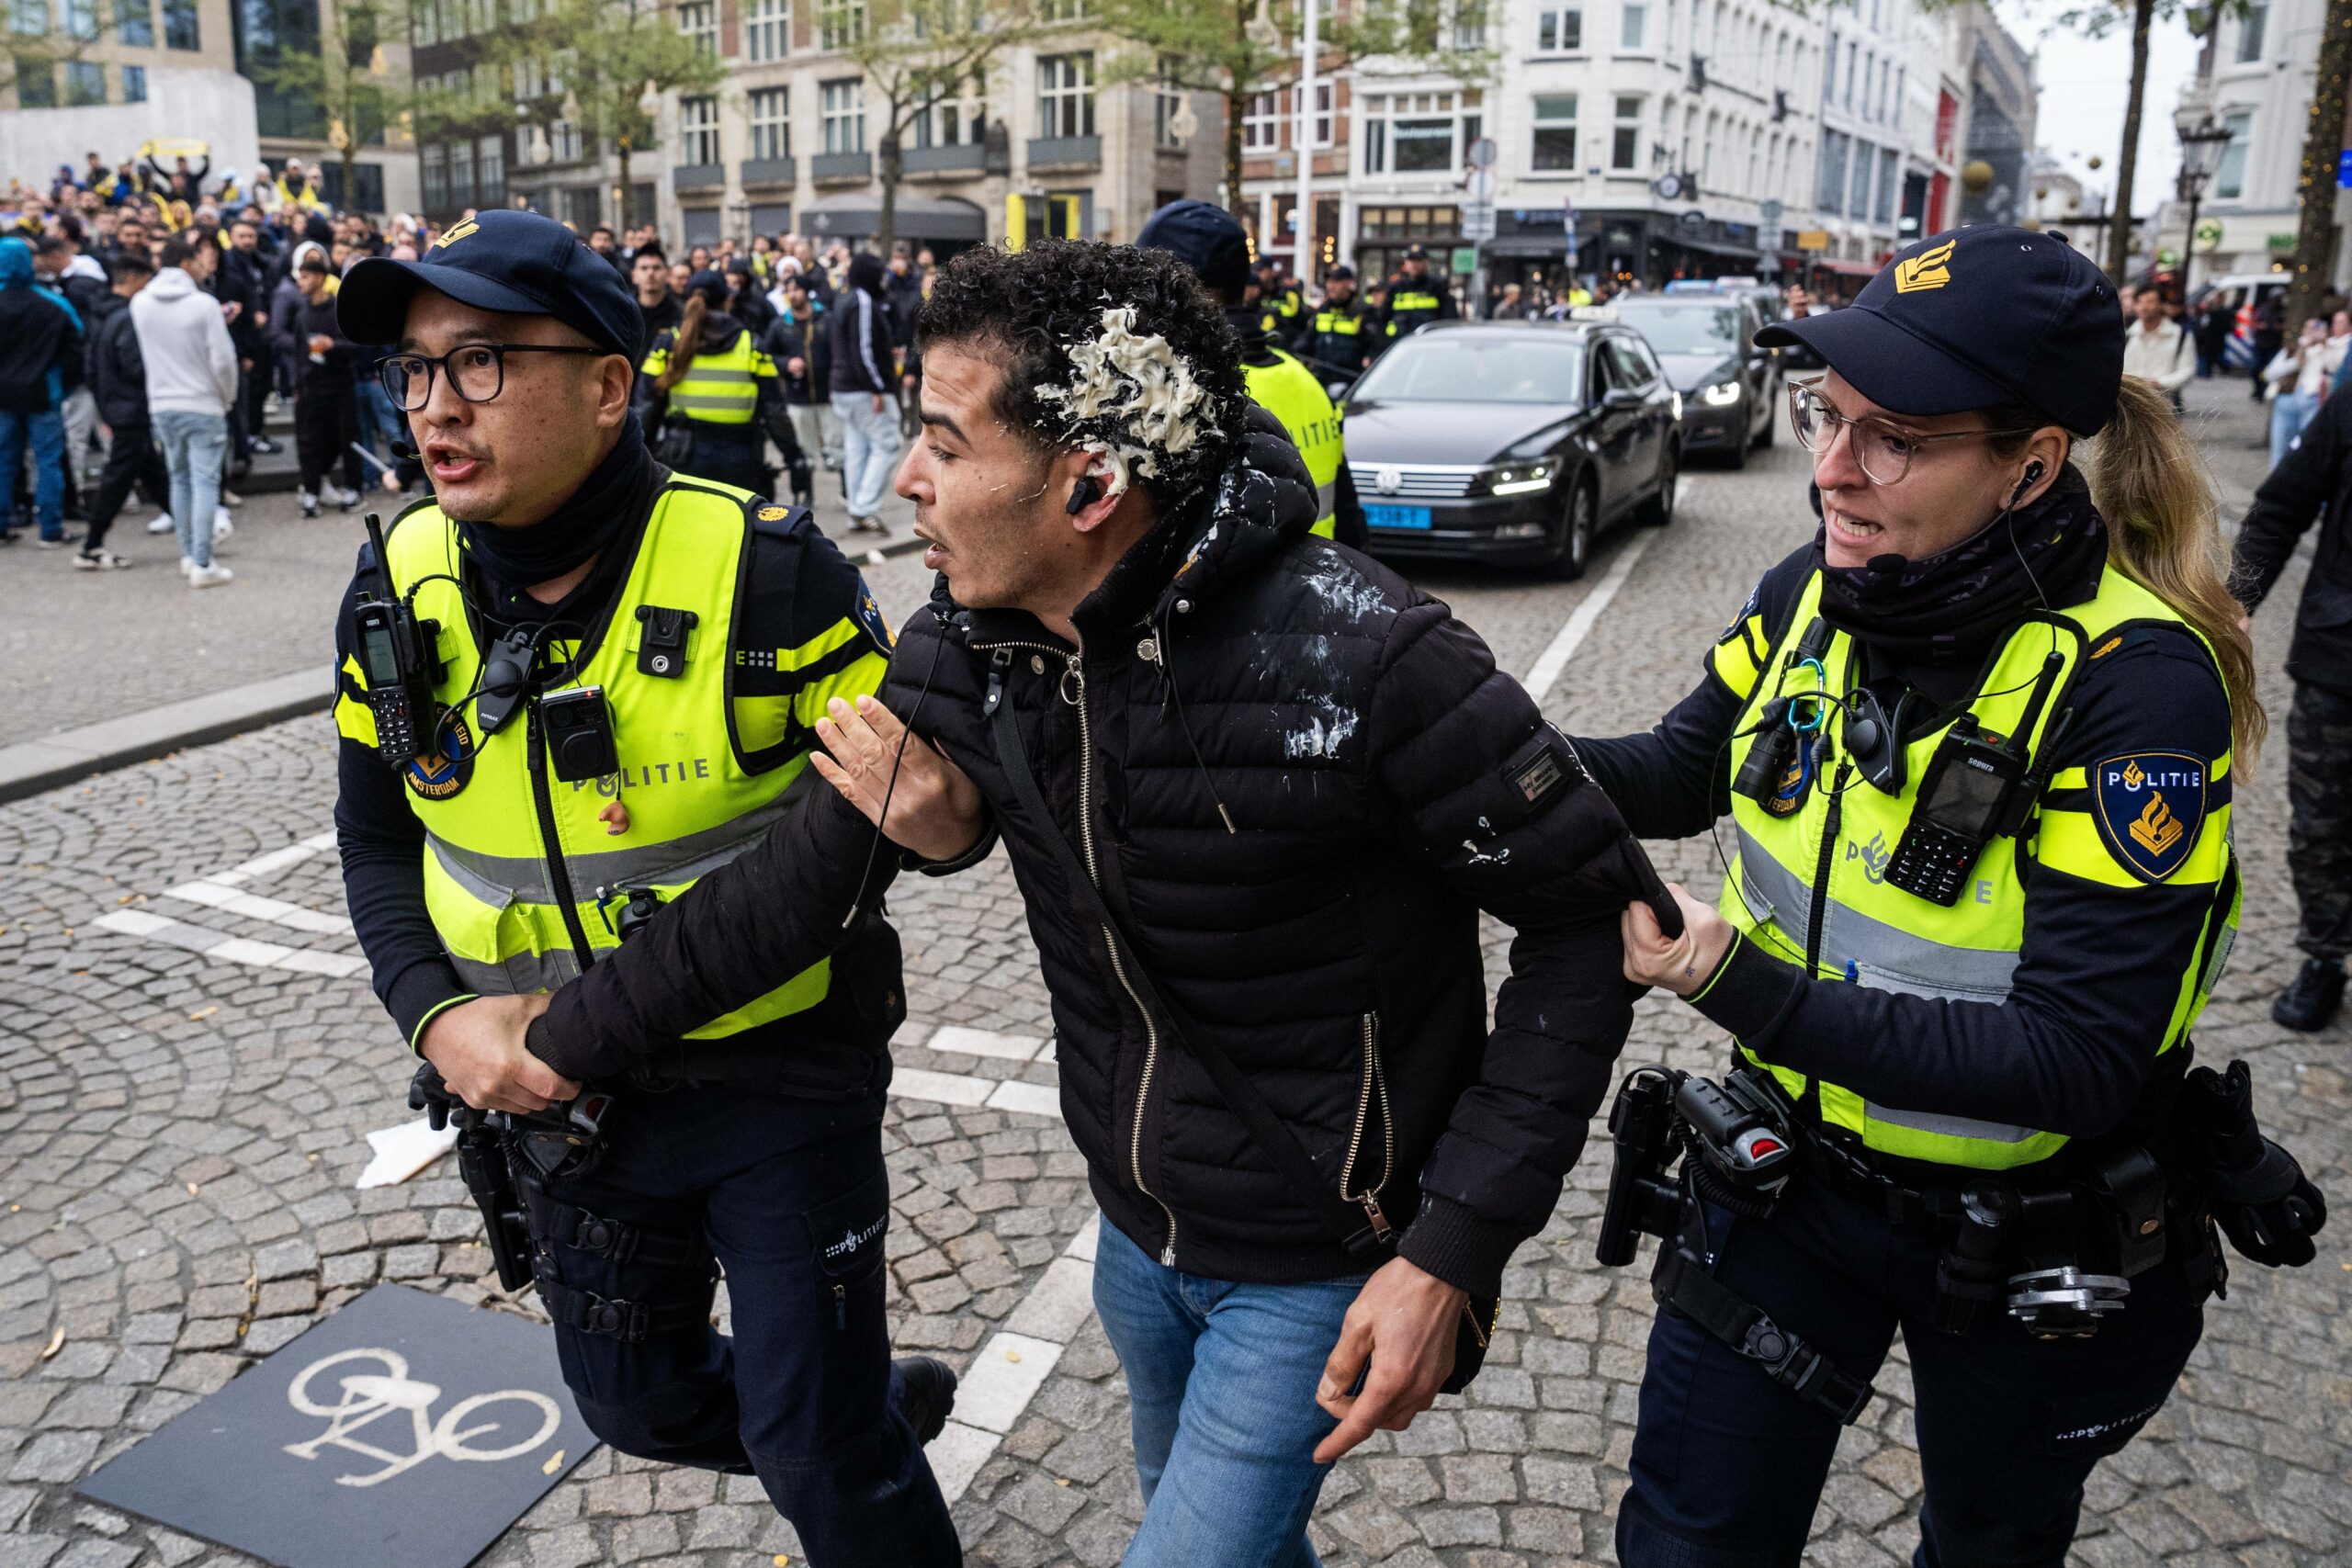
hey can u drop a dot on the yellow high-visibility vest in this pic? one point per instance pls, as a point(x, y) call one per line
point(1289, 392)
point(718, 389)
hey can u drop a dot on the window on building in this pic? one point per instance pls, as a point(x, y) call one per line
point(1890, 165)
point(434, 165)
point(1064, 10)
point(1632, 27)
point(1066, 94)
point(771, 122)
point(180, 27)
point(951, 117)
point(424, 23)
point(2250, 28)
point(1829, 191)
point(1625, 134)
point(462, 174)
point(1852, 51)
point(86, 83)
point(1408, 133)
point(1261, 123)
point(767, 30)
point(841, 24)
point(699, 129)
point(1559, 29)
point(2229, 177)
point(842, 109)
point(367, 186)
point(1167, 103)
point(1469, 25)
point(1554, 144)
point(35, 82)
point(489, 172)
point(1829, 72)
point(698, 19)
point(134, 22)
point(82, 20)
point(1325, 97)
point(134, 84)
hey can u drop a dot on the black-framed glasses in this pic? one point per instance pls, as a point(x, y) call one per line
point(1884, 451)
point(478, 371)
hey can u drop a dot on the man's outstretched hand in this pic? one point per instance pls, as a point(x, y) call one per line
point(1402, 1320)
point(935, 807)
point(477, 1047)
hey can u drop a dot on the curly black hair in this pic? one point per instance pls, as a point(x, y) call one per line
point(1026, 309)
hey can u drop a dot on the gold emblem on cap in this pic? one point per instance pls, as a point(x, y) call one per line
point(773, 513)
point(451, 236)
point(1926, 270)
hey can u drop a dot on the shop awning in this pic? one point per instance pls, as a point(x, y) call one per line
point(1528, 245)
point(1844, 268)
point(1707, 247)
point(917, 218)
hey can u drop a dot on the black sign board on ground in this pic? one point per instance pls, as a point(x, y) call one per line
point(406, 1431)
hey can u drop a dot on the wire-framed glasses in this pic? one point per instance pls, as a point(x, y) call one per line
point(1884, 451)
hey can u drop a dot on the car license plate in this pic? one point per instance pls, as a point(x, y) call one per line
point(1397, 517)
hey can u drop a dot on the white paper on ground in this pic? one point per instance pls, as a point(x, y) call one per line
point(403, 1151)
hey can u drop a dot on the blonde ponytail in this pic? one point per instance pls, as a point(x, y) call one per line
point(2163, 532)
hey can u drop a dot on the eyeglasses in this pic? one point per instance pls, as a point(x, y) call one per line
point(478, 371)
point(1884, 451)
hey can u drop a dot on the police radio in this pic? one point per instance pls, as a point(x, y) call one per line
point(397, 657)
point(1974, 789)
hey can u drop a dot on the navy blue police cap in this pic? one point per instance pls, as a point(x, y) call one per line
point(523, 264)
point(1207, 238)
point(1975, 317)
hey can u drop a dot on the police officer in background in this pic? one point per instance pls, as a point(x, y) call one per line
point(1282, 309)
point(627, 674)
point(1212, 243)
point(1415, 299)
point(1966, 748)
point(2313, 484)
point(1336, 341)
point(712, 392)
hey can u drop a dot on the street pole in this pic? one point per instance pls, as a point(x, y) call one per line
point(2188, 246)
point(1302, 226)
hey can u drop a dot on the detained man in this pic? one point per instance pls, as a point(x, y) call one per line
point(1255, 790)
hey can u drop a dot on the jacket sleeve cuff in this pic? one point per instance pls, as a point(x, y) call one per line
point(539, 1040)
point(1750, 994)
point(982, 847)
point(420, 991)
point(1452, 1242)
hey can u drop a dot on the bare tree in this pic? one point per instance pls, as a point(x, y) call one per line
point(2322, 141)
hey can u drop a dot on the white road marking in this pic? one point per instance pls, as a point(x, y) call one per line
point(1554, 659)
point(226, 948)
point(986, 1043)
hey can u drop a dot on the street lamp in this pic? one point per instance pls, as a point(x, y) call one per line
point(2201, 141)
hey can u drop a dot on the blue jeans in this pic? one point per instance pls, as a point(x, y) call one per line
point(2288, 414)
point(869, 449)
point(46, 433)
point(380, 424)
point(1221, 1380)
point(194, 446)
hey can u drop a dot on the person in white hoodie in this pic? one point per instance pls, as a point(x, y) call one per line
point(191, 381)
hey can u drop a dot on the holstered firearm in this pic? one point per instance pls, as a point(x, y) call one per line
point(484, 1137)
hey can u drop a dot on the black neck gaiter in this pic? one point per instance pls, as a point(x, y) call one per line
point(1948, 608)
point(609, 504)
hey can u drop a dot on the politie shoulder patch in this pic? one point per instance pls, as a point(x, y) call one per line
point(2150, 805)
point(440, 776)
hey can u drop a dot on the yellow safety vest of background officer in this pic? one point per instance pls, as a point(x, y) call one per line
point(713, 395)
point(1339, 339)
point(1980, 767)
point(1415, 297)
point(1212, 243)
point(575, 684)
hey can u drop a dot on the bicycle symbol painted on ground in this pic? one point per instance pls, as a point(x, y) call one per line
point(375, 1385)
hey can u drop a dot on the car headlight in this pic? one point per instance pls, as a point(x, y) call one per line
point(1524, 478)
point(1678, 407)
point(1721, 395)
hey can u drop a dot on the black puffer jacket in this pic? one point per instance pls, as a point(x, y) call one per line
point(1383, 783)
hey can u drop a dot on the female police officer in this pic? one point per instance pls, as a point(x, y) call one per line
point(1978, 740)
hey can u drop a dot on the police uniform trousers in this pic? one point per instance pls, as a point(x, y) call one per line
point(790, 1197)
point(730, 455)
point(2319, 832)
point(326, 424)
point(1727, 1465)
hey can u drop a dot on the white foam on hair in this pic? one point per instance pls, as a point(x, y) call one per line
point(1142, 384)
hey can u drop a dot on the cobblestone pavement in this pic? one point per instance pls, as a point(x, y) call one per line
point(188, 1062)
point(79, 647)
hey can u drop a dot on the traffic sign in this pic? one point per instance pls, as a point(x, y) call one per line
point(1466, 258)
point(1769, 211)
point(1813, 239)
point(1482, 152)
point(1478, 220)
point(2209, 233)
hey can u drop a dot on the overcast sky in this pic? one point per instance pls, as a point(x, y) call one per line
point(2085, 85)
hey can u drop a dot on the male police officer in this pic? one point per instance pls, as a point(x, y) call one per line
point(1336, 341)
point(1213, 243)
point(626, 668)
point(1415, 297)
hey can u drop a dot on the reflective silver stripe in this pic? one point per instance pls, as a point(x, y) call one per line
point(1327, 500)
point(522, 879)
point(519, 975)
point(725, 402)
point(1884, 956)
point(1948, 1126)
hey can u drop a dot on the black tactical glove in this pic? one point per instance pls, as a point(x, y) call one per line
point(2261, 1196)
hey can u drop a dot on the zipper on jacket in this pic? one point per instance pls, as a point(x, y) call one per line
point(1073, 691)
point(1374, 1092)
point(559, 875)
point(1821, 870)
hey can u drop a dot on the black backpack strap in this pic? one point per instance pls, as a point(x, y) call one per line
point(1353, 1226)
